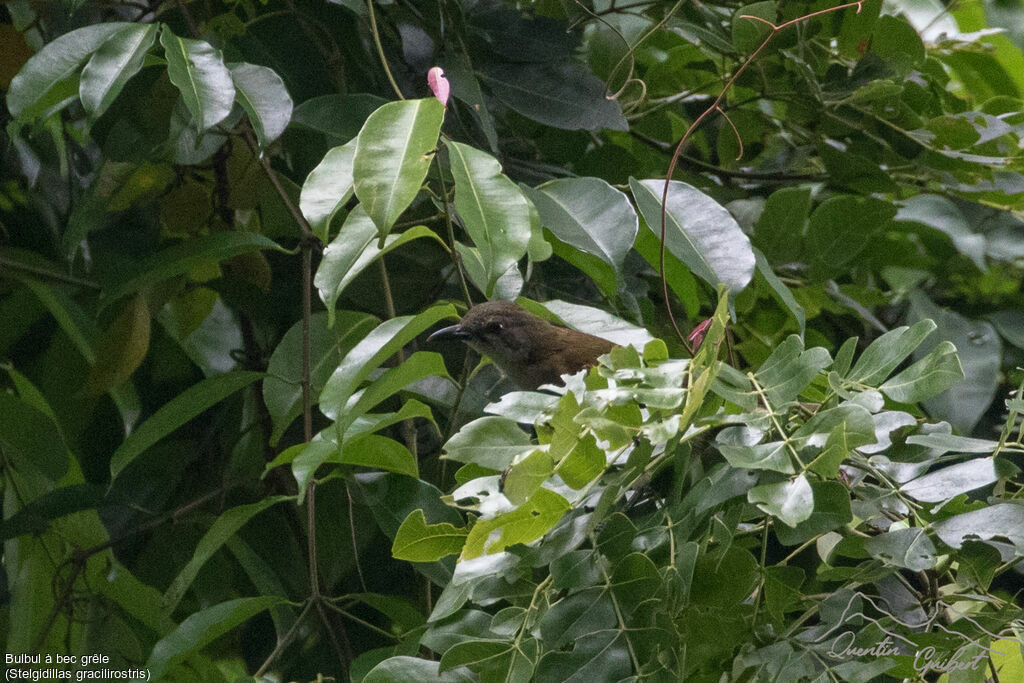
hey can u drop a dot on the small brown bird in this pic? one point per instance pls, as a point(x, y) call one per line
point(527, 348)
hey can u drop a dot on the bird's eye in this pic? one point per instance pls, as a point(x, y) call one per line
point(495, 327)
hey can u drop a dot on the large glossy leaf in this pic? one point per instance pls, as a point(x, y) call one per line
point(590, 215)
point(493, 210)
point(282, 388)
point(339, 117)
point(909, 548)
point(199, 73)
point(354, 248)
point(375, 348)
point(561, 94)
point(945, 483)
point(263, 96)
point(791, 501)
point(177, 412)
point(999, 520)
point(201, 628)
point(327, 188)
point(182, 258)
point(43, 82)
point(598, 654)
point(216, 536)
point(491, 442)
point(700, 232)
point(117, 60)
point(393, 153)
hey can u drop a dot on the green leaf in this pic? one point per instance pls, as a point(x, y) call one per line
point(700, 232)
point(748, 34)
point(375, 348)
point(404, 668)
point(176, 412)
point(527, 475)
point(840, 230)
point(476, 653)
point(183, 258)
point(417, 541)
point(635, 580)
point(31, 439)
point(980, 352)
point(888, 351)
point(559, 94)
point(680, 280)
point(118, 59)
point(328, 188)
point(225, 526)
point(933, 374)
point(940, 213)
point(42, 82)
point(265, 99)
point(597, 656)
point(491, 442)
point(763, 456)
point(393, 152)
point(121, 348)
point(583, 464)
point(493, 210)
point(203, 627)
point(418, 366)
point(790, 369)
point(831, 511)
point(376, 452)
point(589, 214)
point(780, 226)
point(790, 501)
point(908, 548)
point(356, 247)
point(81, 330)
point(35, 517)
point(999, 520)
point(199, 73)
point(944, 484)
point(339, 117)
point(896, 41)
point(526, 523)
point(951, 442)
point(572, 617)
point(282, 388)
point(780, 291)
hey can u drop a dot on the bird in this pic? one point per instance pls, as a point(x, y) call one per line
point(530, 350)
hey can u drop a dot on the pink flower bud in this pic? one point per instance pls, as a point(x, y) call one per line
point(438, 84)
point(696, 337)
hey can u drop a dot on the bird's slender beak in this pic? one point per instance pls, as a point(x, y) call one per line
point(450, 332)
